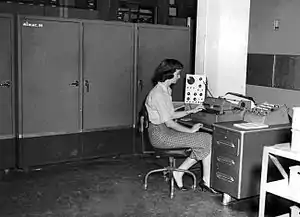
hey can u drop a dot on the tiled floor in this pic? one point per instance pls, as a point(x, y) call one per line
point(108, 188)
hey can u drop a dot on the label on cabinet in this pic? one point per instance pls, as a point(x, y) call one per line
point(33, 25)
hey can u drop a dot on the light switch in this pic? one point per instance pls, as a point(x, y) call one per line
point(276, 24)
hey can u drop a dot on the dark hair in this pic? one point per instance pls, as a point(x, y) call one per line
point(165, 70)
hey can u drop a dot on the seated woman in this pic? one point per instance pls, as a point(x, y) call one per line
point(164, 132)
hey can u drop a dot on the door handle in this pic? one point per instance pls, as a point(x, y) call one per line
point(5, 84)
point(74, 84)
point(87, 85)
point(141, 84)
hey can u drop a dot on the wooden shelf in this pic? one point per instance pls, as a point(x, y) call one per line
point(284, 215)
point(281, 188)
point(284, 150)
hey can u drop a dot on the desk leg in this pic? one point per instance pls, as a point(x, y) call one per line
point(263, 182)
point(226, 199)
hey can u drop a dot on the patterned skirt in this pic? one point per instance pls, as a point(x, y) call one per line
point(162, 136)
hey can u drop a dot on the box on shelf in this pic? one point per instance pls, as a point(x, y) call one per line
point(296, 118)
point(295, 143)
point(294, 180)
point(295, 211)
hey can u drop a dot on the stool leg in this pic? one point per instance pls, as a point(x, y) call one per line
point(171, 164)
point(194, 178)
point(148, 174)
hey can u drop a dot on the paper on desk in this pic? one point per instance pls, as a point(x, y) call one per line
point(249, 126)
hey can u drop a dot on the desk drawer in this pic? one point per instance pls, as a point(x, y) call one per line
point(226, 141)
point(224, 182)
point(225, 173)
point(226, 164)
point(220, 159)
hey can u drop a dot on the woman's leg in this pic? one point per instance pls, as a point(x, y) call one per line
point(186, 164)
point(206, 170)
point(206, 174)
point(163, 137)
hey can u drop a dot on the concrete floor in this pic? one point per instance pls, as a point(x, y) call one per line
point(109, 188)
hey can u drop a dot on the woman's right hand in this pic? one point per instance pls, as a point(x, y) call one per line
point(196, 127)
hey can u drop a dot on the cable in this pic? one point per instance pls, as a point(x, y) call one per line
point(210, 93)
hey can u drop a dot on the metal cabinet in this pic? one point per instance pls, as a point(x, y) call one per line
point(77, 84)
point(108, 75)
point(155, 43)
point(7, 127)
point(49, 90)
point(237, 156)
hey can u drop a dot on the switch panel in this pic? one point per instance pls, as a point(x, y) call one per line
point(195, 87)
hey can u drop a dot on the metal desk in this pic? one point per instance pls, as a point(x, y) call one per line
point(237, 157)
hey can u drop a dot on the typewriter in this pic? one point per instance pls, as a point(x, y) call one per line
point(222, 109)
point(268, 114)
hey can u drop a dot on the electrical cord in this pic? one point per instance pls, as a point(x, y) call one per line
point(208, 90)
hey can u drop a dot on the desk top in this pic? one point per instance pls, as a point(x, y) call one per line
point(229, 126)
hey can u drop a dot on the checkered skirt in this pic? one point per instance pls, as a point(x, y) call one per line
point(162, 136)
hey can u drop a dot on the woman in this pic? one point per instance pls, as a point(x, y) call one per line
point(164, 132)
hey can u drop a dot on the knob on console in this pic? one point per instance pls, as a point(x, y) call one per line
point(191, 80)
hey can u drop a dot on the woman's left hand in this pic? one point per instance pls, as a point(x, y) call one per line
point(196, 127)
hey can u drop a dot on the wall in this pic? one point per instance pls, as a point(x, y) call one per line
point(274, 95)
point(35, 10)
point(221, 44)
point(263, 39)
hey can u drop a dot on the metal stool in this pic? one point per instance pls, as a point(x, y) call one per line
point(172, 154)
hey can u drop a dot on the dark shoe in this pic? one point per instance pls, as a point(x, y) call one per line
point(205, 188)
point(183, 188)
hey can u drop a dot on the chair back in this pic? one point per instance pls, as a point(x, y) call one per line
point(143, 126)
point(143, 118)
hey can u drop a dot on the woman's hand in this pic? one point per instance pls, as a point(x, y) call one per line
point(196, 127)
point(196, 109)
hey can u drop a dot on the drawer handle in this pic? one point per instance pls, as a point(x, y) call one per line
point(224, 177)
point(231, 145)
point(225, 160)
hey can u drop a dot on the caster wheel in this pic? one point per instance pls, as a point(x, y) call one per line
point(145, 187)
point(166, 178)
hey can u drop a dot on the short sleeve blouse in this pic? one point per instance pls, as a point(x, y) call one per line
point(159, 104)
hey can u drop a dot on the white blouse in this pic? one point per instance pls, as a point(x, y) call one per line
point(159, 104)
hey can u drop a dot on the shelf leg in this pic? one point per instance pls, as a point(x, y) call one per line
point(263, 182)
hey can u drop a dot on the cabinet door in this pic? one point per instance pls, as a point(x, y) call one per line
point(7, 135)
point(49, 77)
point(156, 43)
point(108, 75)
